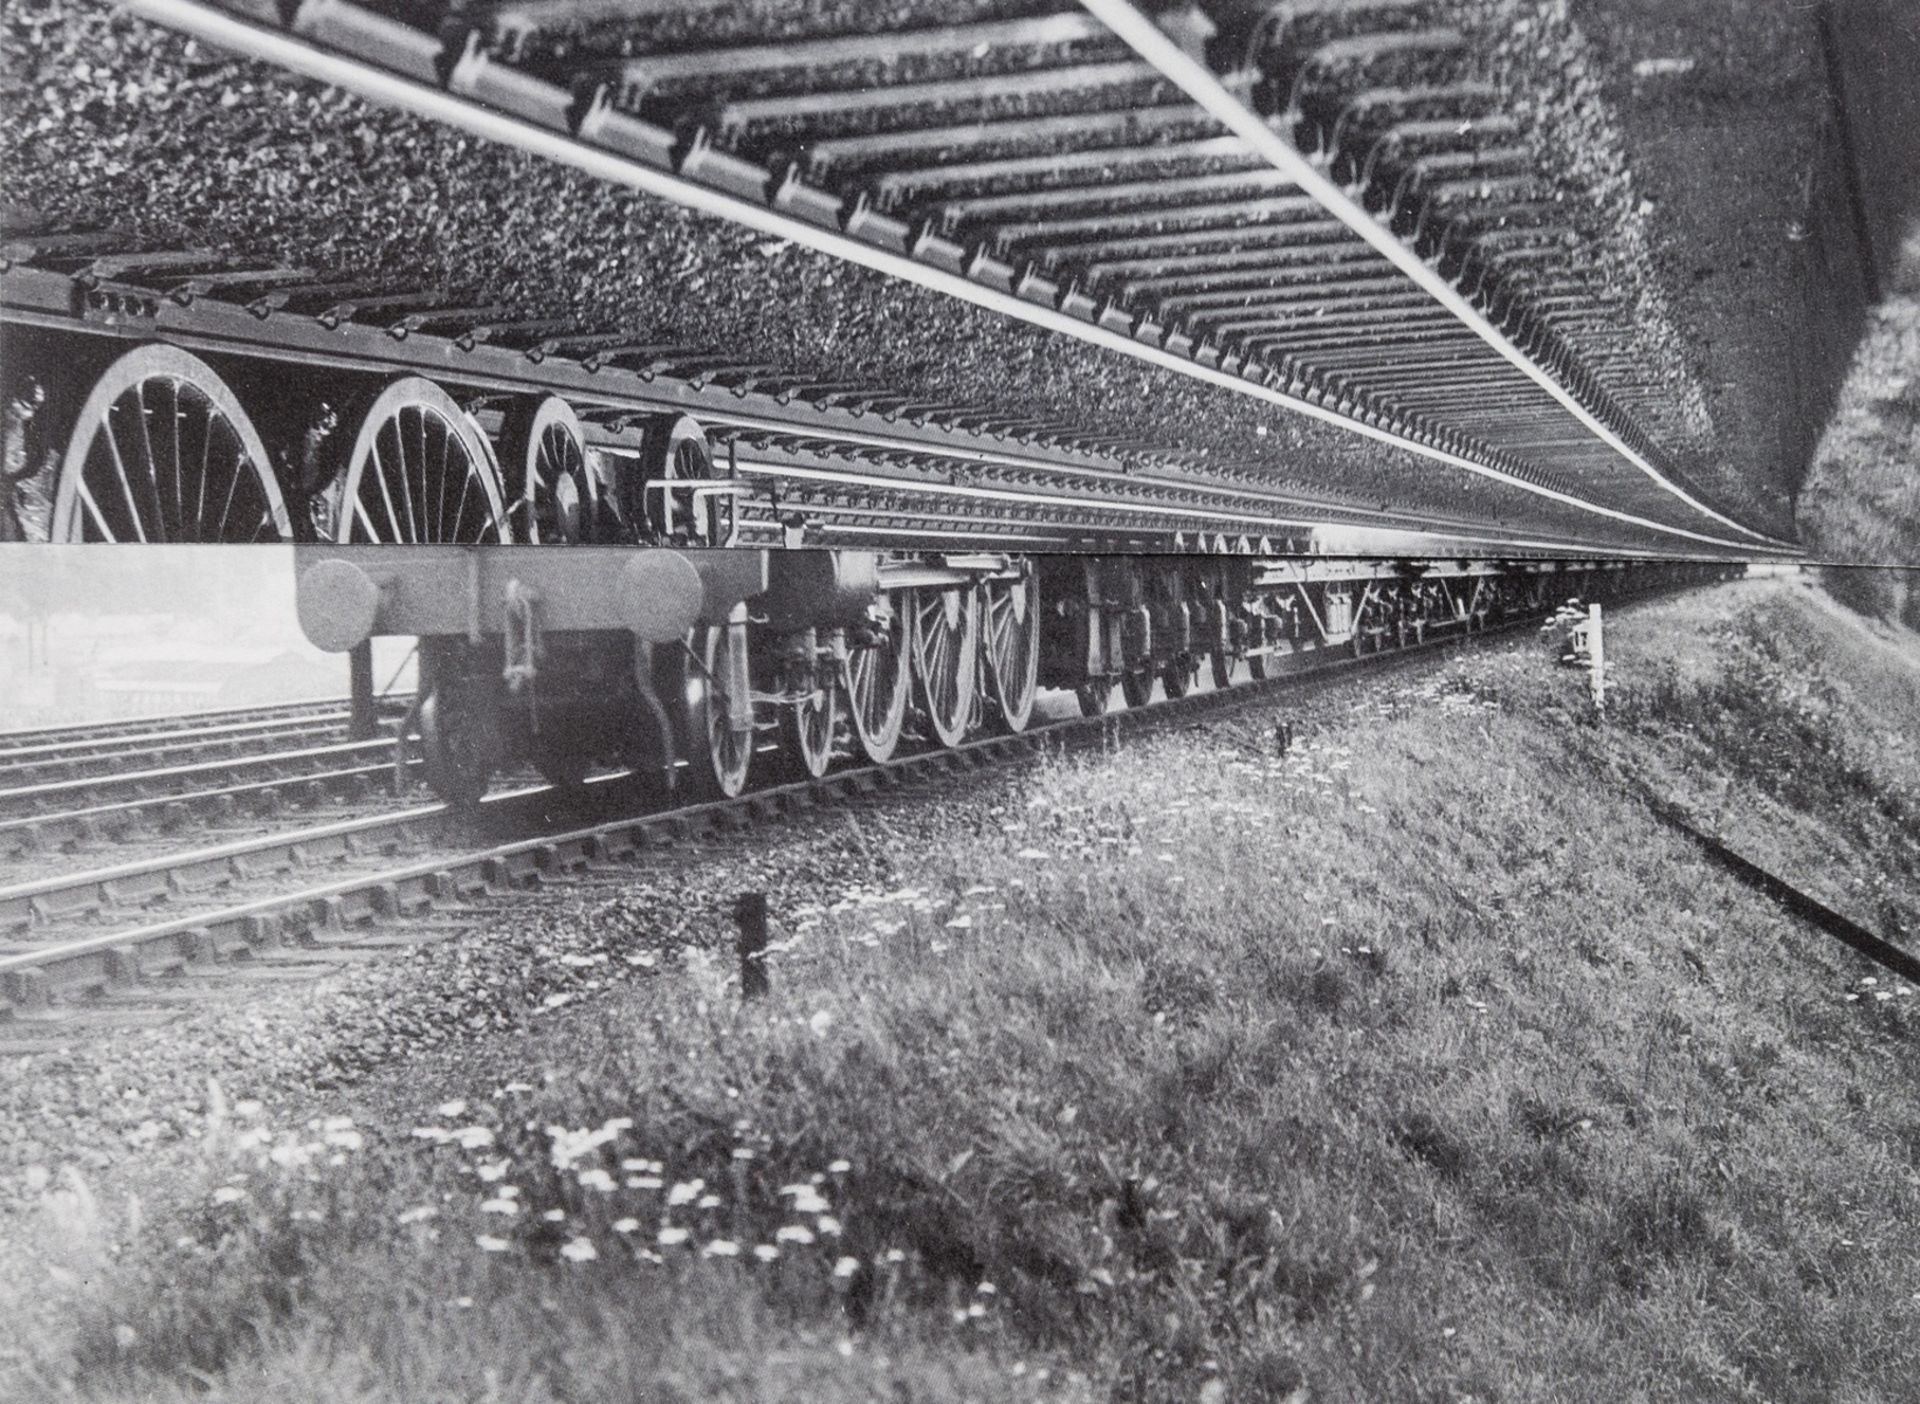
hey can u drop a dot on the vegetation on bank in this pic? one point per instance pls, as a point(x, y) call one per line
point(1418, 1063)
point(1860, 505)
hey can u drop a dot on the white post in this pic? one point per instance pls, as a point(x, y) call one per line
point(1596, 659)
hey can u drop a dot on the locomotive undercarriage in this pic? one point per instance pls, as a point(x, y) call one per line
point(710, 671)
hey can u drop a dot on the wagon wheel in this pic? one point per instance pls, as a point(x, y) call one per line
point(418, 470)
point(162, 451)
point(556, 495)
point(1013, 646)
point(807, 728)
point(877, 684)
point(1136, 685)
point(1094, 696)
point(458, 735)
point(719, 759)
point(1225, 656)
point(946, 659)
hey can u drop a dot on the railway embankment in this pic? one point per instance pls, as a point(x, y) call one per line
point(1414, 1061)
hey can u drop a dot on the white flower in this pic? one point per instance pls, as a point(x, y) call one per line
point(347, 1139)
point(794, 1233)
point(579, 1250)
point(499, 1206)
point(491, 1244)
point(625, 1225)
point(960, 923)
point(721, 1248)
point(474, 1137)
point(820, 1023)
point(492, 1170)
point(839, 1167)
point(554, 1216)
point(597, 1180)
point(417, 1214)
point(765, 1252)
point(228, 1194)
point(708, 1201)
point(828, 1225)
point(451, 1110)
point(685, 1192)
point(670, 1236)
point(846, 1267)
point(644, 1182)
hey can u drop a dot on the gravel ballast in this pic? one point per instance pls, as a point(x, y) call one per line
point(110, 120)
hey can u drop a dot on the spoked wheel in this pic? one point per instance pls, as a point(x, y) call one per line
point(555, 497)
point(1179, 676)
point(162, 451)
point(1095, 697)
point(719, 758)
point(806, 732)
point(419, 470)
point(1137, 686)
point(1013, 647)
point(946, 659)
point(877, 687)
point(458, 735)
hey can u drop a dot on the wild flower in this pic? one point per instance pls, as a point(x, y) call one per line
point(794, 1233)
point(489, 1244)
point(820, 1023)
point(846, 1267)
point(642, 1166)
point(667, 1237)
point(499, 1206)
point(765, 1252)
point(579, 1250)
point(454, 1109)
point(555, 1216)
point(839, 1167)
point(685, 1192)
point(961, 922)
point(644, 1182)
point(491, 1170)
point(229, 1194)
point(626, 1225)
point(597, 1180)
point(420, 1213)
point(828, 1225)
point(721, 1248)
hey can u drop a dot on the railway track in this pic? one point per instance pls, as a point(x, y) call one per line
point(137, 942)
point(1326, 208)
point(63, 799)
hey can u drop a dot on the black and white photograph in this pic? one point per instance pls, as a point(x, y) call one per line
point(960, 701)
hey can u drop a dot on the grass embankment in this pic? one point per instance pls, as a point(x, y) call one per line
point(1420, 1064)
point(1860, 504)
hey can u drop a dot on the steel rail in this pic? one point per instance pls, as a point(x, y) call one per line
point(1205, 87)
point(565, 147)
point(27, 832)
point(83, 732)
point(231, 765)
point(111, 746)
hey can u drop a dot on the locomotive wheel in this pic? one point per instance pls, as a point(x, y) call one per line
point(719, 759)
point(162, 451)
point(561, 763)
point(556, 496)
point(806, 733)
point(946, 659)
point(877, 686)
point(1137, 686)
point(458, 739)
point(1094, 697)
point(1013, 647)
point(418, 470)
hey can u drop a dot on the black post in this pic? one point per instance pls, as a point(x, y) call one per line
point(365, 722)
point(750, 911)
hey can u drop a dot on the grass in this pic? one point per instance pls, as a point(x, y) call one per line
point(1415, 1064)
point(1860, 504)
